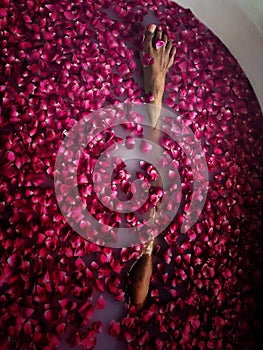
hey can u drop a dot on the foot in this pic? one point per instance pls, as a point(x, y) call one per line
point(157, 56)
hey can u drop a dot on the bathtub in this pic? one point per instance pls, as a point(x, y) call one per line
point(239, 25)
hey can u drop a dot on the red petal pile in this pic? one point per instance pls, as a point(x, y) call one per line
point(62, 60)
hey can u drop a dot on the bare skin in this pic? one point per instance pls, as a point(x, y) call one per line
point(154, 83)
point(140, 277)
point(154, 75)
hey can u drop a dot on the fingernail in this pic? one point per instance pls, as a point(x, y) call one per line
point(160, 28)
point(151, 28)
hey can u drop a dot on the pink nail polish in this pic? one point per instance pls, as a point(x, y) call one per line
point(160, 28)
point(151, 28)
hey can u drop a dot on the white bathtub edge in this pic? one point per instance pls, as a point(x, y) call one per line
point(228, 20)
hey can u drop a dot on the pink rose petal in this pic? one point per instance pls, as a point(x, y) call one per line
point(100, 303)
point(147, 60)
point(159, 44)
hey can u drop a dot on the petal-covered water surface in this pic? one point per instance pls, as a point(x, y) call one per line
point(62, 60)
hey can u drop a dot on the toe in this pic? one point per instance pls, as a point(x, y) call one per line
point(172, 55)
point(148, 42)
point(173, 52)
point(165, 38)
point(159, 33)
point(169, 45)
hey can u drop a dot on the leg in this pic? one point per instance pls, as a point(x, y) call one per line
point(154, 81)
point(161, 50)
point(140, 276)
